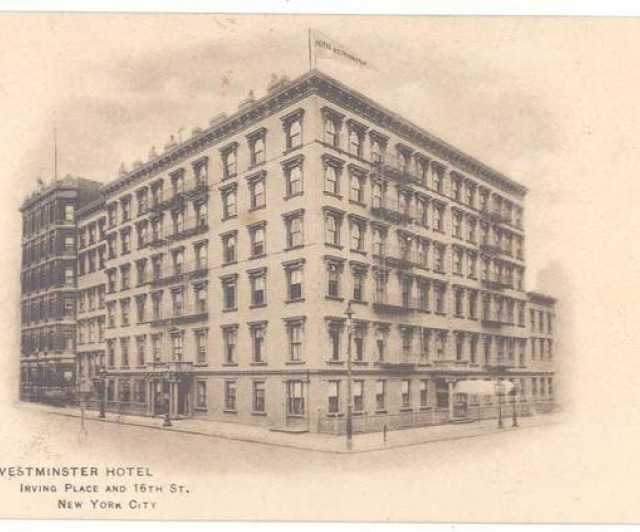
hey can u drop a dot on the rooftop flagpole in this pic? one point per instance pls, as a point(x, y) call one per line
point(310, 54)
point(55, 147)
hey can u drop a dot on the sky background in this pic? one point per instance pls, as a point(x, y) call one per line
point(550, 102)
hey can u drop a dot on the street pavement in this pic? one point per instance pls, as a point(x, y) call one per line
point(369, 442)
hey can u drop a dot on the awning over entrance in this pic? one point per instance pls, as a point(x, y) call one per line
point(484, 387)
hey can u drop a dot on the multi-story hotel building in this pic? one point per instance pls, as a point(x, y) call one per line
point(48, 288)
point(213, 279)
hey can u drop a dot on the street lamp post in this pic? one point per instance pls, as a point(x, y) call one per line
point(102, 374)
point(349, 313)
point(167, 404)
point(515, 406)
point(500, 396)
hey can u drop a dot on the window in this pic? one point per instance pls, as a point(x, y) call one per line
point(440, 290)
point(156, 193)
point(294, 233)
point(422, 212)
point(258, 287)
point(156, 347)
point(334, 330)
point(441, 345)
point(177, 346)
point(331, 178)
point(156, 230)
point(380, 395)
point(459, 295)
point(178, 302)
point(358, 342)
point(376, 195)
point(111, 314)
point(333, 406)
point(257, 236)
point(257, 331)
point(178, 262)
point(259, 397)
point(356, 190)
point(141, 272)
point(332, 124)
point(143, 201)
point(124, 352)
point(124, 311)
point(201, 394)
point(457, 224)
point(201, 171)
point(424, 393)
point(230, 396)
point(111, 353)
point(456, 188)
point(473, 304)
point(293, 132)
point(406, 393)
point(229, 248)
point(202, 218)
point(356, 141)
point(381, 344)
point(125, 276)
point(201, 346)
point(332, 223)
point(229, 285)
point(140, 351)
point(229, 161)
point(257, 146)
point(459, 346)
point(295, 332)
point(357, 235)
point(125, 240)
point(229, 337)
point(229, 206)
point(378, 242)
point(358, 396)
point(377, 149)
point(295, 398)
point(471, 194)
point(177, 182)
point(125, 204)
point(294, 282)
point(293, 178)
point(438, 177)
point(457, 261)
point(439, 250)
point(141, 308)
point(358, 285)
point(156, 264)
point(69, 276)
point(69, 213)
point(334, 272)
point(200, 293)
point(438, 217)
point(257, 191)
point(200, 251)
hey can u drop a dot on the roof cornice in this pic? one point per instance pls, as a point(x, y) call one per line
point(314, 82)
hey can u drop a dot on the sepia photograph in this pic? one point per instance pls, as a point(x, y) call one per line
point(319, 268)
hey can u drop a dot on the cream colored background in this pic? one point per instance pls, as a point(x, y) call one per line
point(550, 102)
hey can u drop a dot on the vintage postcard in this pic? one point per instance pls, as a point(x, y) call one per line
point(330, 268)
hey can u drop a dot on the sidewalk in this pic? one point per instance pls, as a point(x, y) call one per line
point(307, 441)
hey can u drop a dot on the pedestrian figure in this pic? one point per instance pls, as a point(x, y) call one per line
point(384, 433)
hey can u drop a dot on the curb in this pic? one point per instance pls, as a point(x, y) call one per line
point(475, 434)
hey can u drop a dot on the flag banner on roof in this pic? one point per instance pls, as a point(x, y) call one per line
point(324, 47)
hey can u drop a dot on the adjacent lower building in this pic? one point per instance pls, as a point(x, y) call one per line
point(234, 275)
